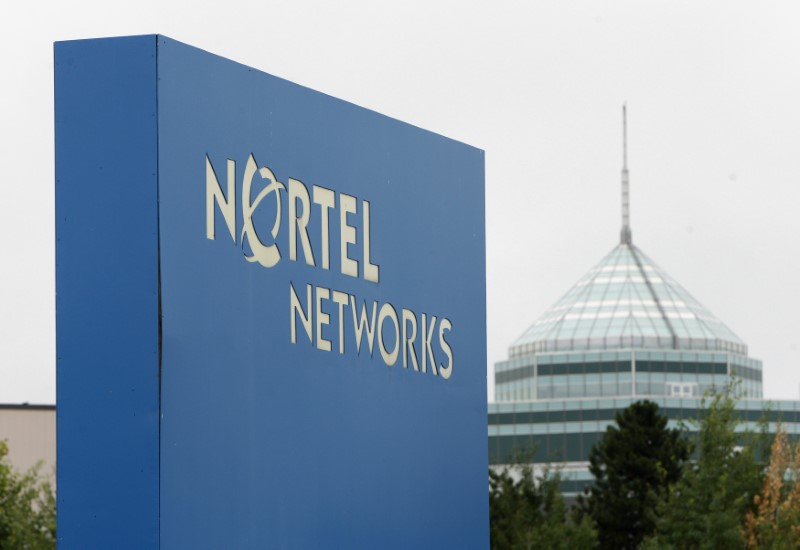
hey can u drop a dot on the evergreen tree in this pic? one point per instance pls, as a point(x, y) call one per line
point(633, 465)
point(530, 513)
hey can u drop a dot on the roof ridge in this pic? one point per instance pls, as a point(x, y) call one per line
point(654, 295)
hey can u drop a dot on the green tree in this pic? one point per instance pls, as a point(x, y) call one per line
point(706, 508)
point(27, 508)
point(526, 512)
point(633, 465)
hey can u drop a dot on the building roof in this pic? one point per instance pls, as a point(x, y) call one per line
point(627, 301)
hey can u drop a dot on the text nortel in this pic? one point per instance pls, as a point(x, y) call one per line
point(375, 321)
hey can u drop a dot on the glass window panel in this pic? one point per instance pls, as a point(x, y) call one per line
point(574, 450)
point(575, 390)
point(555, 447)
point(609, 389)
point(589, 440)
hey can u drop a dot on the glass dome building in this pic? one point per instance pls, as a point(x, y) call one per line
point(625, 331)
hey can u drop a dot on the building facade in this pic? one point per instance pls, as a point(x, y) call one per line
point(626, 331)
point(30, 431)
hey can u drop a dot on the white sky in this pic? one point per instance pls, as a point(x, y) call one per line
point(713, 93)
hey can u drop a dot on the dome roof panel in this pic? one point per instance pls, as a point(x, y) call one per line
point(627, 301)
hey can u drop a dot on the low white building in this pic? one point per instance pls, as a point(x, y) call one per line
point(30, 431)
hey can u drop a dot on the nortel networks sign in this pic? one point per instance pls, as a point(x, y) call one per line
point(280, 341)
point(418, 336)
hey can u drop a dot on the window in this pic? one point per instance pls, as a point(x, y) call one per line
point(681, 389)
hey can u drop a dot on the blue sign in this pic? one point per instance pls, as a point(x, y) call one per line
point(270, 312)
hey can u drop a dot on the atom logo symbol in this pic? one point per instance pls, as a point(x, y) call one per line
point(266, 255)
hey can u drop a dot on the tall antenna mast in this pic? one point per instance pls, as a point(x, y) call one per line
point(625, 234)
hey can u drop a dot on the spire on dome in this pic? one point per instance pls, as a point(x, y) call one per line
point(625, 234)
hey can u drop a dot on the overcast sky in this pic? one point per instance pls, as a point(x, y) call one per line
point(713, 94)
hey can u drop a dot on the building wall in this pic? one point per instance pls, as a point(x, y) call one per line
point(30, 431)
point(636, 373)
point(562, 432)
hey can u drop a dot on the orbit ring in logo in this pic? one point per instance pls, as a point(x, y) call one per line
point(266, 255)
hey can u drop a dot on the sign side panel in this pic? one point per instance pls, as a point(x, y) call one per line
point(107, 293)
